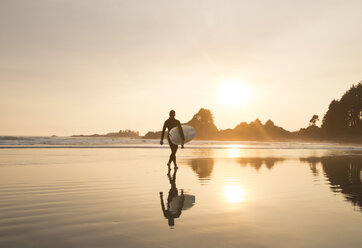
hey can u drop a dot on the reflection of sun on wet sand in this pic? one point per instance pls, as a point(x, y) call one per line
point(234, 193)
point(234, 152)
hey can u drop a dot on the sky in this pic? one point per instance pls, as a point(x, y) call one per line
point(84, 67)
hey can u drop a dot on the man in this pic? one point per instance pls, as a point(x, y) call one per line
point(170, 123)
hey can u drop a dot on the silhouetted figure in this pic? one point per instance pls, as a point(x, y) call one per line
point(170, 123)
point(174, 202)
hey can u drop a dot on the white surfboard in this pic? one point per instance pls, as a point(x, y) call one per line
point(189, 201)
point(175, 136)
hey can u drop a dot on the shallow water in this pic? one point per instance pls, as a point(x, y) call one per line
point(231, 198)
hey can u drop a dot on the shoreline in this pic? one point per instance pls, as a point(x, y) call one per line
point(344, 140)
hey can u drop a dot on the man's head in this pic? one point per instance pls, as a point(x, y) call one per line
point(172, 113)
point(171, 221)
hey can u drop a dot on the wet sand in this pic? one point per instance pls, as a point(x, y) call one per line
point(231, 198)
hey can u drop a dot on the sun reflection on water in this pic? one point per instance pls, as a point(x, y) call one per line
point(234, 193)
point(234, 150)
point(234, 153)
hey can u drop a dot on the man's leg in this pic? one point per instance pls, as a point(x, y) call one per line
point(174, 150)
point(171, 155)
point(170, 159)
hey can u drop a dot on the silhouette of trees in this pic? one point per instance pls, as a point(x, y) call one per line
point(203, 122)
point(342, 121)
point(124, 133)
point(334, 121)
point(153, 135)
point(311, 132)
point(255, 130)
point(269, 124)
point(313, 120)
point(344, 116)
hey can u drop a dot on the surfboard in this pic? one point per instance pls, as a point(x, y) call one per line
point(175, 136)
point(189, 202)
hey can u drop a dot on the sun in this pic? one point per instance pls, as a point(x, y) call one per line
point(233, 93)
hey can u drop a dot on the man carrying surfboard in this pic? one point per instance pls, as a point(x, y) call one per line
point(170, 123)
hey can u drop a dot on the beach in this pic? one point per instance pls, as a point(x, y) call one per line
point(275, 195)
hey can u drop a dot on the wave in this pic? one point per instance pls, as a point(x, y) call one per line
point(7, 142)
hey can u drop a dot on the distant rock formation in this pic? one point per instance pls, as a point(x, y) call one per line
point(122, 133)
point(203, 122)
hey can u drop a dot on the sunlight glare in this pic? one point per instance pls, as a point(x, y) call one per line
point(234, 194)
point(234, 153)
point(234, 150)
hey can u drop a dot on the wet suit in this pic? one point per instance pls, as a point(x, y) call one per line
point(169, 124)
point(167, 212)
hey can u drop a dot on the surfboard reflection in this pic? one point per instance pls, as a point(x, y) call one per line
point(175, 202)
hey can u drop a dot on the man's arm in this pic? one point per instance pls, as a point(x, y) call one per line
point(181, 133)
point(163, 133)
point(181, 205)
point(162, 204)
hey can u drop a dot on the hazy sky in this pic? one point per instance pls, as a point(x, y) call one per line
point(70, 67)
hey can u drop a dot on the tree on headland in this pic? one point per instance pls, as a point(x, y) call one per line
point(313, 120)
point(344, 116)
point(334, 121)
point(203, 122)
point(342, 120)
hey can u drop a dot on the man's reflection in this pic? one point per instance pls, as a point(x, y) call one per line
point(175, 202)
